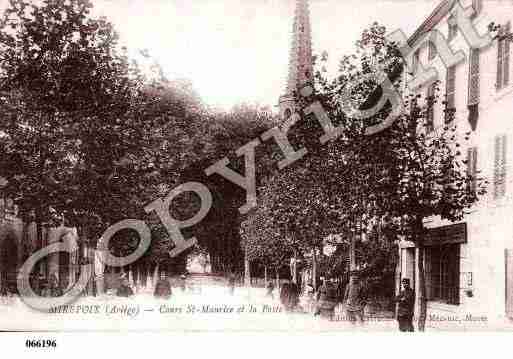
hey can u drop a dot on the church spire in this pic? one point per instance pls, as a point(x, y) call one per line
point(300, 58)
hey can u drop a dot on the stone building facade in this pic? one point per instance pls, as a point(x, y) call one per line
point(469, 265)
point(18, 240)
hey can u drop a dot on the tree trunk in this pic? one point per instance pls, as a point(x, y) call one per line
point(277, 278)
point(156, 275)
point(314, 268)
point(421, 296)
point(422, 290)
point(265, 275)
point(144, 279)
point(40, 272)
point(82, 255)
point(247, 272)
point(352, 254)
point(136, 275)
point(293, 268)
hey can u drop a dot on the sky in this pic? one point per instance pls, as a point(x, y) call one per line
point(236, 51)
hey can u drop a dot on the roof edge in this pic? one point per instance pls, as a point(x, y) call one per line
point(434, 18)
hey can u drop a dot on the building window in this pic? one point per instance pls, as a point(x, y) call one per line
point(453, 28)
point(503, 56)
point(443, 273)
point(477, 5)
point(472, 169)
point(430, 108)
point(509, 282)
point(450, 91)
point(473, 77)
point(287, 114)
point(432, 52)
point(499, 173)
point(415, 61)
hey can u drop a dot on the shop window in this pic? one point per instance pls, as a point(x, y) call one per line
point(443, 273)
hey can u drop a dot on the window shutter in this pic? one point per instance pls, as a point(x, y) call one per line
point(500, 166)
point(509, 281)
point(473, 81)
point(415, 61)
point(477, 5)
point(452, 28)
point(500, 51)
point(432, 52)
point(450, 88)
point(505, 57)
point(472, 168)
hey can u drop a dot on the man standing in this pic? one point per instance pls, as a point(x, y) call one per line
point(269, 287)
point(354, 299)
point(406, 303)
point(124, 289)
point(327, 300)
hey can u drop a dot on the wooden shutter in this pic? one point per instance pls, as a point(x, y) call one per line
point(500, 166)
point(472, 168)
point(473, 80)
point(450, 89)
point(452, 28)
point(508, 253)
point(500, 62)
point(477, 5)
point(415, 61)
point(505, 56)
point(432, 52)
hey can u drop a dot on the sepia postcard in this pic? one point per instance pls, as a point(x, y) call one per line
point(317, 166)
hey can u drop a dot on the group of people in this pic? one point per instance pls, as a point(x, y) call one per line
point(354, 298)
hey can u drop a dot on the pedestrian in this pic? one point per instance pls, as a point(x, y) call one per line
point(293, 300)
point(183, 286)
point(405, 306)
point(310, 297)
point(163, 289)
point(269, 289)
point(284, 295)
point(124, 289)
point(354, 299)
point(327, 300)
point(52, 288)
point(231, 283)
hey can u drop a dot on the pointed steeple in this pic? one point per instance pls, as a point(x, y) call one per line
point(300, 57)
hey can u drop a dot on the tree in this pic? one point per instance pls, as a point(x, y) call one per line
point(85, 131)
point(411, 173)
point(219, 231)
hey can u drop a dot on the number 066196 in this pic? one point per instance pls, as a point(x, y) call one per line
point(40, 343)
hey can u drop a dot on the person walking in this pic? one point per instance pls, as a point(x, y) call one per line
point(269, 289)
point(163, 289)
point(183, 280)
point(124, 289)
point(327, 300)
point(231, 283)
point(52, 288)
point(285, 295)
point(293, 301)
point(405, 307)
point(355, 300)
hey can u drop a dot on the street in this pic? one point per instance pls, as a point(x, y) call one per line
point(210, 309)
